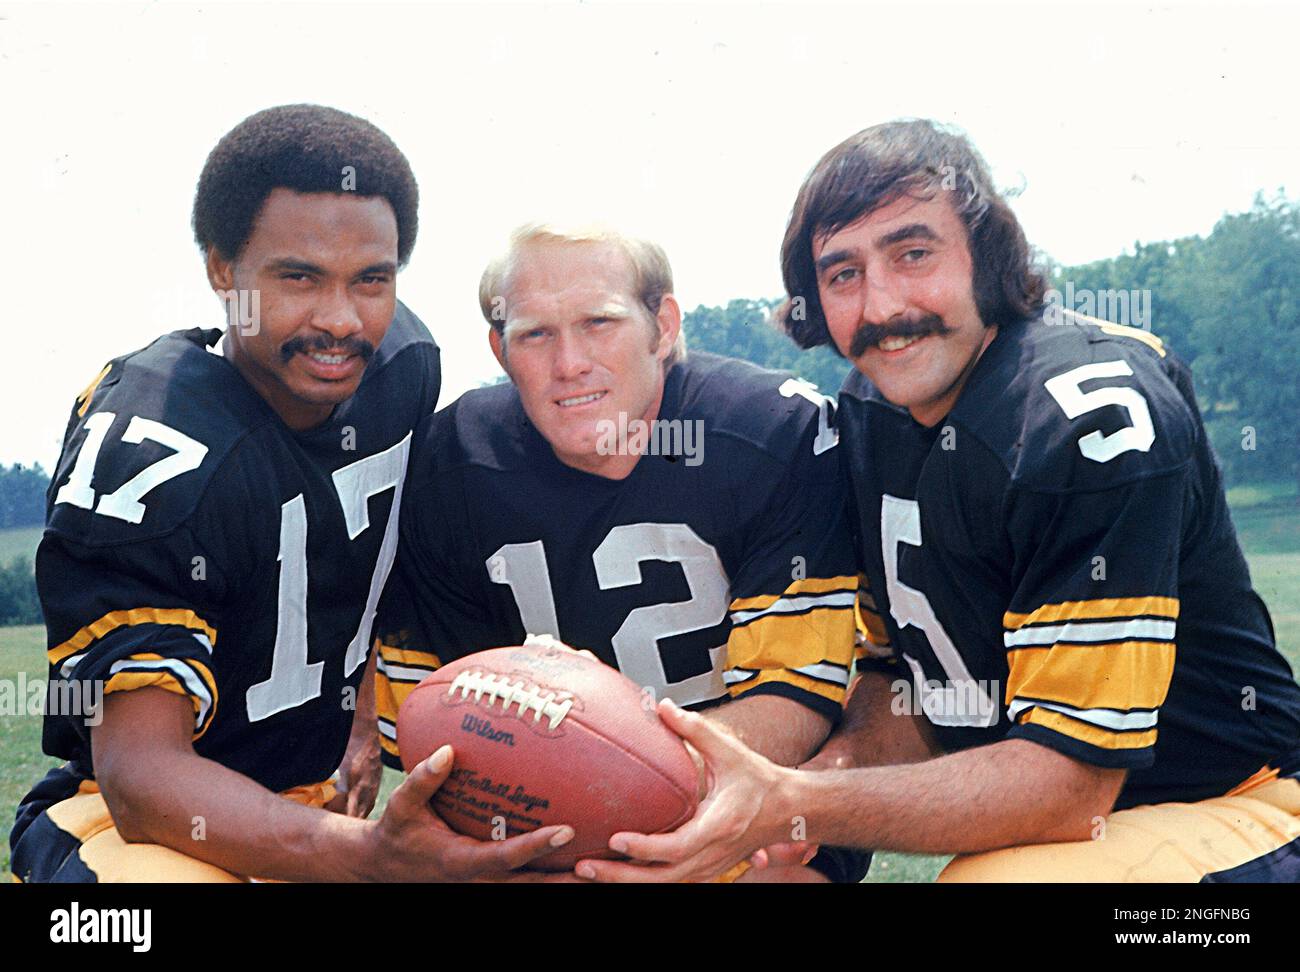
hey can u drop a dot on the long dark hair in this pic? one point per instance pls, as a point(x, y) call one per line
point(873, 168)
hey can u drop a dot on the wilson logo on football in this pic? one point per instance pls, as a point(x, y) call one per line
point(490, 689)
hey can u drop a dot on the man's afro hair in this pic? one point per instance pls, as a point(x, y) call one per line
point(304, 148)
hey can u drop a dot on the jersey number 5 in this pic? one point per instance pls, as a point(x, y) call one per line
point(1137, 437)
point(961, 701)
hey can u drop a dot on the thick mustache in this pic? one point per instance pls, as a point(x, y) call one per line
point(870, 335)
point(349, 345)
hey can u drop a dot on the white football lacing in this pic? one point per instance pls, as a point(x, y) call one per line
point(510, 693)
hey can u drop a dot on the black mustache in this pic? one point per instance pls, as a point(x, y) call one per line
point(349, 345)
point(870, 335)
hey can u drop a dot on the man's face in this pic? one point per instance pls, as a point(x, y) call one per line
point(896, 288)
point(582, 349)
point(325, 265)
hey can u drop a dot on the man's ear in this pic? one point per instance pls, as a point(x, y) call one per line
point(221, 272)
point(670, 325)
point(498, 348)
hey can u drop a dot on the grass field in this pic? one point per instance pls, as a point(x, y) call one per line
point(22, 649)
point(1268, 524)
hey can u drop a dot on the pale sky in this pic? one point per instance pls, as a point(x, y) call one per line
point(691, 124)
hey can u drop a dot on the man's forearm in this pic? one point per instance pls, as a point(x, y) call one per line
point(1009, 793)
point(160, 791)
point(778, 728)
point(872, 733)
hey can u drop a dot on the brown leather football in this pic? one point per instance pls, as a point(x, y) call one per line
point(544, 735)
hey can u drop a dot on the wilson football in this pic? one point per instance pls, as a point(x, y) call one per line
point(544, 735)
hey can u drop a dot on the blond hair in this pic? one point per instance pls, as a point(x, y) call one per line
point(652, 276)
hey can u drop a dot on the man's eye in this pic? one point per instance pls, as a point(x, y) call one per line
point(598, 321)
point(842, 275)
point(374, 279)
point(295, 275)
point(916, 255)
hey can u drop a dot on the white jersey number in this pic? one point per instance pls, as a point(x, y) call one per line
point(124, 502)
point(1137, 437)
point(522, 567)
point(961, 701)
point(293, 679)
point(828, 437)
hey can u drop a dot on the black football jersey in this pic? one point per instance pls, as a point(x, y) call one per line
point(195, 543)
point(1055, 561)
point(723, 570)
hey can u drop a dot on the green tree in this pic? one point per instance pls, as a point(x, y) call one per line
point(744, 329)
point(22, 495)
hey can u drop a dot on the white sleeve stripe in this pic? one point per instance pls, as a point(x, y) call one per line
point(822, 671)
point(826, 672)
point(405, 673)
point(797, 605)
point(70, 662)
point(187, 676)
point(65, 670)
point(1092, 631)
point(1103, 718)
point(388, 730)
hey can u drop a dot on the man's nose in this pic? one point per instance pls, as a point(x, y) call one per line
point(883, 299)
point(572, 359)
point(336, 314)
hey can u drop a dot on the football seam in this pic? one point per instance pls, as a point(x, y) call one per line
point(575, 719)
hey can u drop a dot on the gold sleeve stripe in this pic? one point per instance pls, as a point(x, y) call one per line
point(83, 400)
point(1106, 607)
point(1146, 337)
point(117, 619)
point(389, 697)
point(1092, 735)
point(415, 674)
point(388, 736)
point(1091, 633)
point(827, 691)
point(385, 702)
point(1119, 330)
point(393, 655)
point(865, 651)
point(791, 641)
point(811, 585)
point(872, 626)
point(789, 607)
point(182, 676)
point(1131, 721)
point(822, 672)
point(1122, 675)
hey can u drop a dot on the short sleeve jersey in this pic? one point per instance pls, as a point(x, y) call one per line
point(1055, 561)
point(196, 544)
point(722, 566)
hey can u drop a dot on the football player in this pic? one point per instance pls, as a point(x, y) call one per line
point(680, 516)
point(219, 529)
point(1068, 675)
